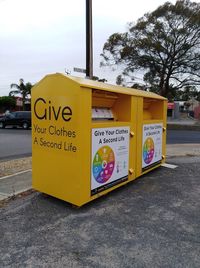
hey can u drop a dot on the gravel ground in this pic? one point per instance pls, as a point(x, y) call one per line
point(14, 166)
point(152, 222)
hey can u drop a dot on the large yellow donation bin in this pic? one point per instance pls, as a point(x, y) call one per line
point(89, 138)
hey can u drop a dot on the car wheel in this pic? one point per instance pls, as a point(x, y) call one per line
point(2, 125)
point(25, 125)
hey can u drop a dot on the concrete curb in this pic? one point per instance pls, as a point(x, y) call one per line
point(21, 193)
point(15, 184)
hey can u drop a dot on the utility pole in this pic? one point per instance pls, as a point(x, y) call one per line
point(89, 47)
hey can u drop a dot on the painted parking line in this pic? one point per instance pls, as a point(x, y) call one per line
point(15, 174)
point(169, 166)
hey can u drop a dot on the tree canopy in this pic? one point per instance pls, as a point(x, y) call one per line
point(23, 89)
point(7, 103)
point(164, 44)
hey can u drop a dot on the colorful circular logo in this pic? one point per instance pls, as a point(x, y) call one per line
point(103, 164)
point(148, 150)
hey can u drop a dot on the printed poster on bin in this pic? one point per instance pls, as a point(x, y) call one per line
point(151, 145)
point(110, 157)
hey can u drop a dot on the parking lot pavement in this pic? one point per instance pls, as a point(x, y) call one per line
point(152, 222)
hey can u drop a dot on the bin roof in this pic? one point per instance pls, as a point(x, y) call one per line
point(87, 83)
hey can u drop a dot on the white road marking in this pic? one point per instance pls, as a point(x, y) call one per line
point(15, 174)
point(169, 166)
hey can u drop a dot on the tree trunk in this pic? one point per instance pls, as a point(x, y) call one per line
point(23, 102)
point(162, 86)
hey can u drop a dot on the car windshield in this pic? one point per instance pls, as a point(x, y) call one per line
point(11, 115)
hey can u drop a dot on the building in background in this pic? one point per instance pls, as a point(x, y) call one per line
point(19, 104)
point(183, 109)
point(173, 110)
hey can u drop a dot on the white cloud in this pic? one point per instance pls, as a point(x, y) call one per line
point(18, 17)
point(38, 37)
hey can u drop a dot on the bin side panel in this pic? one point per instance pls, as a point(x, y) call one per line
point(56, 133)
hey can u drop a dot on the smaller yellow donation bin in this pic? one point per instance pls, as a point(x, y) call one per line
point(89, 138)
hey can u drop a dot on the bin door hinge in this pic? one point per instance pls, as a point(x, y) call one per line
point(131, 170)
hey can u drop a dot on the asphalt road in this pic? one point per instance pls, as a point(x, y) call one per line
point(152, 222)
point(182, 136)
point(15, 143)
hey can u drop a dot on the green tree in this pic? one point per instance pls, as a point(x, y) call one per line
point(96, 78)
point(23, 89)
point(7, 103)
point(188, 93)
point(139, 86)
point(164, 44)
point(198, 96)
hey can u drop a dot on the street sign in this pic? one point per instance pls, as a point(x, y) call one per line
point(79, 70)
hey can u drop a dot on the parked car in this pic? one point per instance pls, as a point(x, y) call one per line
point(16, 119)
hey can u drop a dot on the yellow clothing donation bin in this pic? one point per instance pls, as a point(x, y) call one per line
point(89, 138)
